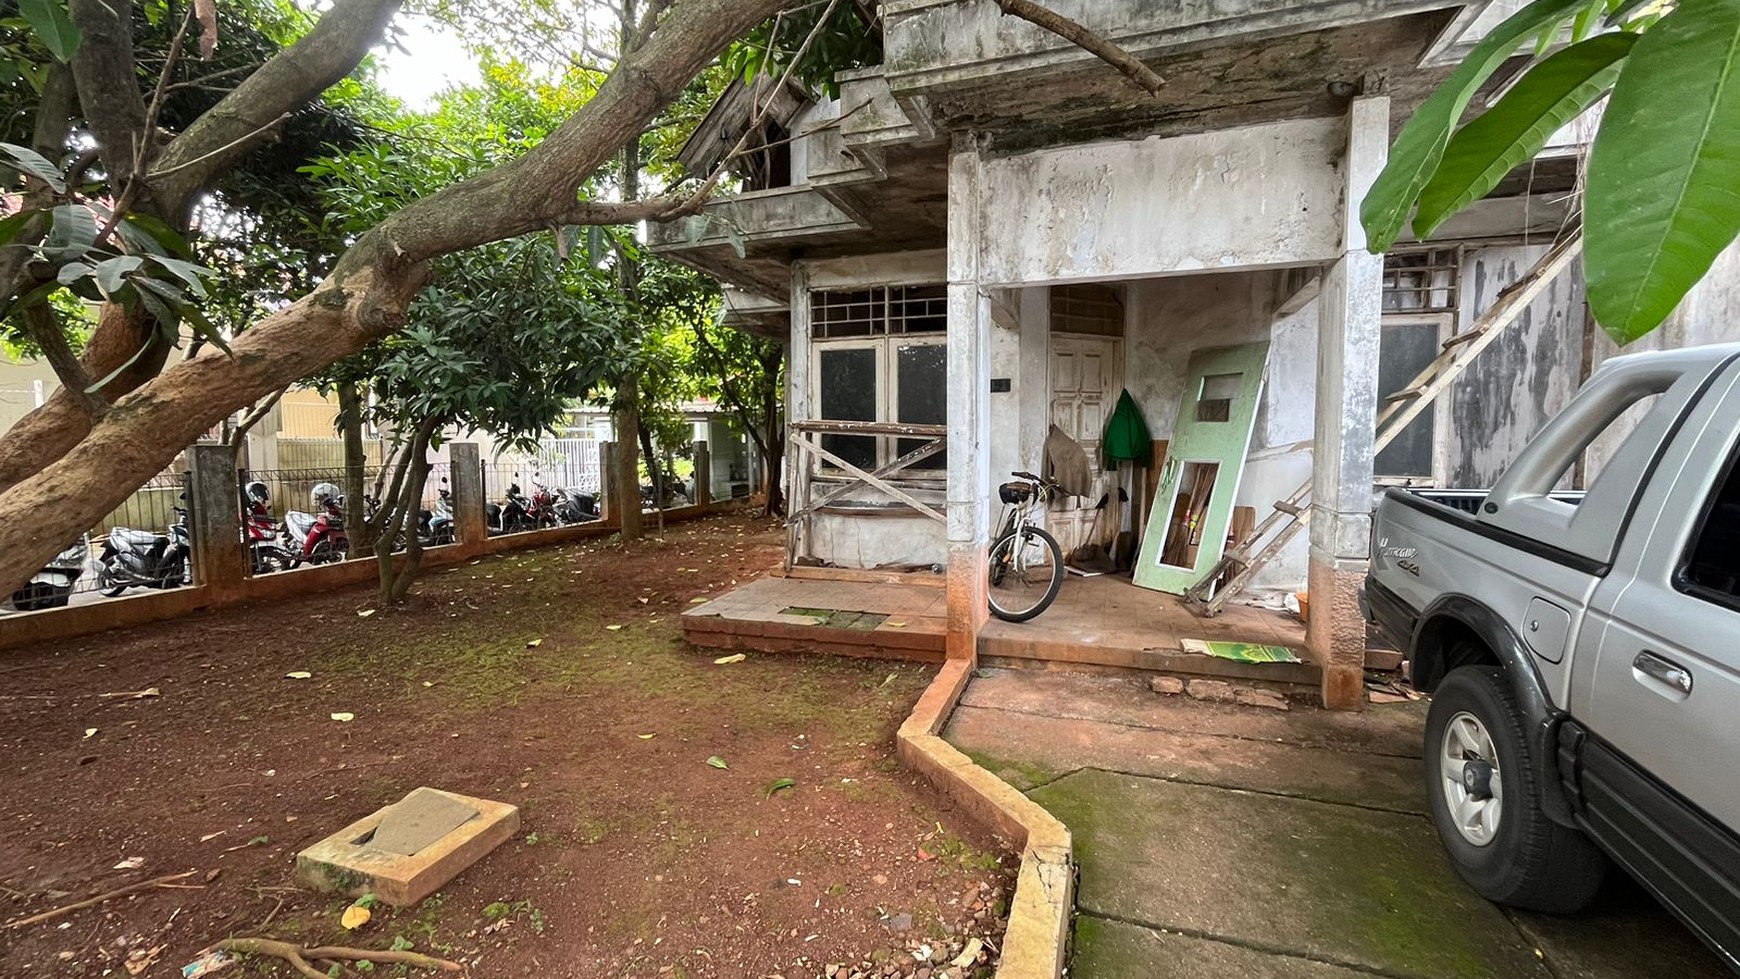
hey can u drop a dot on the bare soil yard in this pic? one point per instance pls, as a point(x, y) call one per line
point(556, 680)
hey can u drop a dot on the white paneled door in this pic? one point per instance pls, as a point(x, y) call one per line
point(1086, 378)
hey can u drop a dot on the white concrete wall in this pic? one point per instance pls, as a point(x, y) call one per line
point(20, 386)
point(1256, 196)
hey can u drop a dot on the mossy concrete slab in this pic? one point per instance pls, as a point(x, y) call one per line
point(1117, 950)
point(1023, 753)
point(1390, 729)
point(1366, 889)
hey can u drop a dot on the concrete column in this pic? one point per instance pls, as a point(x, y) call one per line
point(1350, 318)
point(608, 484)
point(465, 478)
point(703, 474)
point(969, 405)
point(220, 562)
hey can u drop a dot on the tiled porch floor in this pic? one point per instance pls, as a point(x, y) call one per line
point(1105, 621)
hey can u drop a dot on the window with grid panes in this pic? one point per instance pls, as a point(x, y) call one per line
point(878, 354)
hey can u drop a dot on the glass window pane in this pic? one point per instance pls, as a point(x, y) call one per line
point(1405, 350)
point(848, 393)
point(922, 388)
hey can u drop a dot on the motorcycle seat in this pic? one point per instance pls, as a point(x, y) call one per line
point(300, 523)
point(133, 538)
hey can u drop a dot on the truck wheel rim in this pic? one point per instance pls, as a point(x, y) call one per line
point(1472, 786)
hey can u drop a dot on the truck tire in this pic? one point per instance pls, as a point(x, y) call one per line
point(1485, 790)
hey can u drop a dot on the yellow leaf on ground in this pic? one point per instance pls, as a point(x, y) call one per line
point(365, 613)
point(614, 628)
point(343, 715)
point(534, 643)
point(297, 675)
point(354, 917)
point(727, 660)
point(644, 737)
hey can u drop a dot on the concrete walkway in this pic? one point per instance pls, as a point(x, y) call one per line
point(1217, 840)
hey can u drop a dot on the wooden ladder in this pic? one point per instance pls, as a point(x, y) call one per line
point(1230, 574)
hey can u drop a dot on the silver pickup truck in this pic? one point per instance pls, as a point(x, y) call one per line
point(1582, 650)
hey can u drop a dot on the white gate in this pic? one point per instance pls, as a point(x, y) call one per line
point(570, 463)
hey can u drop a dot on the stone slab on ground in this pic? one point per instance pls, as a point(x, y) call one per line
point(345, 863)
point(1038, 749)
point(1366, 889)
point(1390, 730)
point(417, 821)
point(1117, 950)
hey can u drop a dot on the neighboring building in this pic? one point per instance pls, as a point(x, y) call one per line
point(23, 386)
point(996, 232)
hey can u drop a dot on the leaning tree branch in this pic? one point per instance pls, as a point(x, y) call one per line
point(1095, 44)
point(104, 66)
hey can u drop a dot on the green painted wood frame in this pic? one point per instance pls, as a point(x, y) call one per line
point(1222, 443)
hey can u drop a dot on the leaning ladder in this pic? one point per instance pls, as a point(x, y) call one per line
point(1291, 515)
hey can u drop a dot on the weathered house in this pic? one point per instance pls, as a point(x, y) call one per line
point(995, 232)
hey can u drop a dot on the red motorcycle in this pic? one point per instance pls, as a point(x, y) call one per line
point(319, 537)
point(260, 531)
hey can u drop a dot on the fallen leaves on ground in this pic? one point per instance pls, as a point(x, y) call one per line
point(355, 917)
point(343, 715)
point(298, 675)
point(728, 660)
point(717, 762)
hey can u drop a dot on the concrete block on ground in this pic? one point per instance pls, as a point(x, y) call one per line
point(357, 860)
point(1168, 685)
point(1218, 691)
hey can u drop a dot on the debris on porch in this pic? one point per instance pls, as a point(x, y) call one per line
point(847, 618)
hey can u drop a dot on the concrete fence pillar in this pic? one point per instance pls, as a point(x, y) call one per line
point(1350, 325)
point(608, 483)
point(969, 408)
point(220, 561)
point(703, 474)
point(465, 478)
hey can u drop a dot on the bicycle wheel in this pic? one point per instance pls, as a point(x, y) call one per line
point(1026, 574)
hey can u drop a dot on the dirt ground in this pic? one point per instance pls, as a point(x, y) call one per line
point(555, 680)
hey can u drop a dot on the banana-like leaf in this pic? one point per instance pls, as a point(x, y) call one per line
point(1663, 193)
point(1415, 154)
point(53, 27)
point(73, 232)
point(1510, 133)
point(27, 160)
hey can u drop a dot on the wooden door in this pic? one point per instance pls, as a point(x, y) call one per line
point(1086, 376)
point(1193, 509)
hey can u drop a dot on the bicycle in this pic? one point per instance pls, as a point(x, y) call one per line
point(1026, 563)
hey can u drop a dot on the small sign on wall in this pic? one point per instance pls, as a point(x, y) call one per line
point(1000, 385)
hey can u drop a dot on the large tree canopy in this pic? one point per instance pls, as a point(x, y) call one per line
point(83, 458)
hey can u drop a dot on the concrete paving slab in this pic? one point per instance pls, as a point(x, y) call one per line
point(1356, 887)
point(1117, 950)
point(1037, 749)
point(1625, 934)
point(1392, 729)
point(417, 821)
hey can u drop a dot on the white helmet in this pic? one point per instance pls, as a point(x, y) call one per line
point(323, 493)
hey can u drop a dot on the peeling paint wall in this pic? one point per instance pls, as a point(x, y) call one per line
point(1525, 377)
point(1251, 197)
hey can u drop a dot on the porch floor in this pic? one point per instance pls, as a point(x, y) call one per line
point(1104, 622)
point(1109, 621)
point(847, 618)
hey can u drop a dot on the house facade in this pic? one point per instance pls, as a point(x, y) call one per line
point(994, 232)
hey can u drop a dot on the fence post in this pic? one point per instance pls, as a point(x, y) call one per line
point(608, 483)
point(703, 473)
point(220, 563)
point(465, 474)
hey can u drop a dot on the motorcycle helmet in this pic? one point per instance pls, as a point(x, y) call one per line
point(323, 493)
point(257, 492)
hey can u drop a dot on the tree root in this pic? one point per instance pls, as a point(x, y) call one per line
point(299, 955)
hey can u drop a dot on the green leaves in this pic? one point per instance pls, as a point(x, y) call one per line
point(1552, 94)
point(717, 762)
point(53, 27)
point(1664, 173)
point(1415, 156)
point(32, 163)
point(779, 784)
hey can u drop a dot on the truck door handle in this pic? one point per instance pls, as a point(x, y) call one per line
point(1669, 674)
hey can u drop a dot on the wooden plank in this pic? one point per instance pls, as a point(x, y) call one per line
point(815, 427)
point(917, 455)
point(880, 484)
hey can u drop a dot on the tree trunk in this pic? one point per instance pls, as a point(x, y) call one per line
point(627, 423)
point(367, 294)
point(356, 509)
point(398, 517)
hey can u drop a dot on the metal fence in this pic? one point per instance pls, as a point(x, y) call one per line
point(145, 537)
point(571, 464)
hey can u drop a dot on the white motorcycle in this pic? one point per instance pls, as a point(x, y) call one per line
point(52, 586)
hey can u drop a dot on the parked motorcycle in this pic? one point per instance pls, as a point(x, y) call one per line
point(435, 526)
point(52, 586)
point(141, 559)
point(260, 531)
point(513, 514)
point(318, 537)
point(573, 506)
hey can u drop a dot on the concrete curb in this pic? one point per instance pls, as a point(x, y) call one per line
point(1037, 939)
